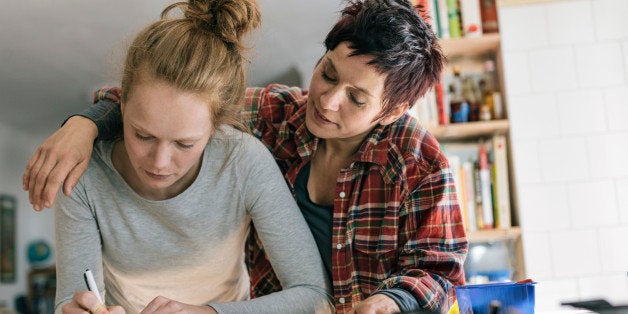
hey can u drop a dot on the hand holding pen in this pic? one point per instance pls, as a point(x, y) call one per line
point(90, 301)
point(91, 284)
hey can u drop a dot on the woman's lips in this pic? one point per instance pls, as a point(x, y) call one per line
point(319, 117)
point(156, 176)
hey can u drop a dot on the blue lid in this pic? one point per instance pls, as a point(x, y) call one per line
point(495, 284)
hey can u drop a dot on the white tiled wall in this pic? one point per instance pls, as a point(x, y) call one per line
point(616, 109)
point(566, 74)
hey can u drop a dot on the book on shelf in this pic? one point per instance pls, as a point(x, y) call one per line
point(442, 104)
point(480, 172)
point(443, 18)
point(454, 165)
point(486, 188)
point(453, 18)
point(468, 190)
point(425, 110)
point(477, 186)
point(462, 157)
point(501, 182)
point(432, 109)
point(488, 12)
point(432, 13)
point(471, 18)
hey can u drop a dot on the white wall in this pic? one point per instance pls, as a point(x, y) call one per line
point(15, 150)
point(566, 69)
point(289, 40)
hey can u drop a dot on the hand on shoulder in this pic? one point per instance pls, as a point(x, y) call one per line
point(62, 158)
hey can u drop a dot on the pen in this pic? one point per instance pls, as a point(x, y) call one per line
point(91, 284)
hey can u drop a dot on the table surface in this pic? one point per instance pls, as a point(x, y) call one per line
point(565, 311)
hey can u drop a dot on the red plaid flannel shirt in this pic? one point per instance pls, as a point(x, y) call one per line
point(396, 220)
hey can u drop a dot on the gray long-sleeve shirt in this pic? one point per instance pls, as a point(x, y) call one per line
point(189, 248)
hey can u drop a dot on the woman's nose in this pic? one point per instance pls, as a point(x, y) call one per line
point(331, 99)
point(161, 157)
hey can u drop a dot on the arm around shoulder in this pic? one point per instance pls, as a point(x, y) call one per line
point(62, 158)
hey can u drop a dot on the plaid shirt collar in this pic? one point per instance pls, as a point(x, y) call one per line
point(374, 149)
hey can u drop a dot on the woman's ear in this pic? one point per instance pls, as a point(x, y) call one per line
point(395, 114)
point(121, 103)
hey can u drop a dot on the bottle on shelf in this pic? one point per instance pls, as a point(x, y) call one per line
point(471, 95)
point(459, 108)
point(485, 113)
point(490, 92)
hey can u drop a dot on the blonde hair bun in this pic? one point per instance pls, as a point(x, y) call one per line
point(230, 20)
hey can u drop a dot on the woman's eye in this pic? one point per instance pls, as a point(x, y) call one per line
point(142, 137)
point(355, 100)
point(328, 78)
point(185, 146)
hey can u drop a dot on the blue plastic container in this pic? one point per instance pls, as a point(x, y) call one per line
point(512, 297)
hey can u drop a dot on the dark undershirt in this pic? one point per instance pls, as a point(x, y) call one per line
point(319, 219)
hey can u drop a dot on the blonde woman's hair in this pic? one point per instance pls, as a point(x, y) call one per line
point(200, 51)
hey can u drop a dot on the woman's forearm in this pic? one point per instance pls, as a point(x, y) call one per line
point(107, 117)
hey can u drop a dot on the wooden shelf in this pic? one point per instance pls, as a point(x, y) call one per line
point(456, 131)
point(507, 3)
point(494, 235)
point(470, 55)
point(470, 47)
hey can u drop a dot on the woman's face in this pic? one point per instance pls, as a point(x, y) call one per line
point(165, 133)
point(345, 96)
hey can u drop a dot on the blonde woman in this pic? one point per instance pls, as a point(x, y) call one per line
point(162, 214)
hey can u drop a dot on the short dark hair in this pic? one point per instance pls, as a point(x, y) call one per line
point(402, 44)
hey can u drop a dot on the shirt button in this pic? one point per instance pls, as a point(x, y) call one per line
point(341, 300)
point(342, 194)
point(339, 246)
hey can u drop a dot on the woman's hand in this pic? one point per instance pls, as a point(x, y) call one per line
point(83, 301)
point(63, 157)
point(376, 304)
point(162, 305)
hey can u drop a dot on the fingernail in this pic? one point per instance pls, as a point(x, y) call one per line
point(47, 204)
